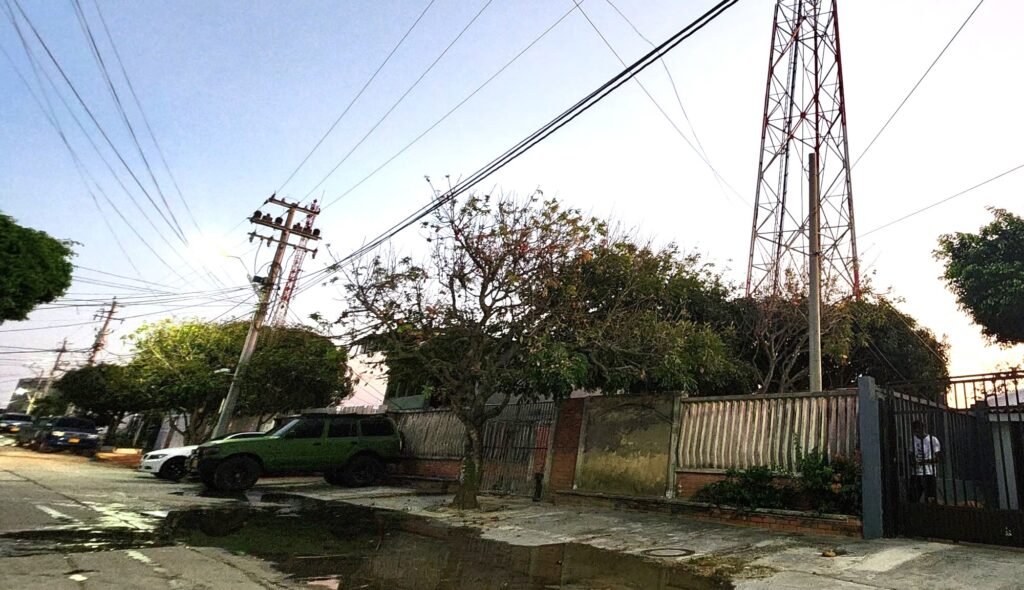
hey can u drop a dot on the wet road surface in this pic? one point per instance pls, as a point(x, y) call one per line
point(58, 509)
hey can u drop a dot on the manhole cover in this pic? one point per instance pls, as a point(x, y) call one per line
point(667, 552)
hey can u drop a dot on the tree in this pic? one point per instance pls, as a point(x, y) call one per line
point(866, 337)
point(186, 368)
point(34, 268)
point(521, 301)
point(105, 391)
point(986, 273)
point(874, 338)
point(292, 369)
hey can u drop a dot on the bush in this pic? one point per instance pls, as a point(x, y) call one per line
point(826, 485)
point(830, 484)
point(747, 488)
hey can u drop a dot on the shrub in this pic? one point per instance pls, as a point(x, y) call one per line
point(829, 484)
point(747, 488)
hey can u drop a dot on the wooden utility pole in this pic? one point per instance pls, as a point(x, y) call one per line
point(49, 379)
point(285, 227)
point(814, 278)
point(101, 336)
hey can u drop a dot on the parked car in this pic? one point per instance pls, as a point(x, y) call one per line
point(348, 449)
point(12, 422)
point(65, 432)
point(172, 463)
point(27, 433)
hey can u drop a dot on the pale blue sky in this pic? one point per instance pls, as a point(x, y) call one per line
point(238, 92)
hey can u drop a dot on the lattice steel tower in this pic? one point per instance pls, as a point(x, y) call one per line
point(804, 114)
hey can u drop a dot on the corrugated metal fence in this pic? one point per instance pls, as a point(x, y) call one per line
point(515, 442)
point(765, 430)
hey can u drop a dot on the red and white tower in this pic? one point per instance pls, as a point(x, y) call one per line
point(804, 115)
point(280, 314)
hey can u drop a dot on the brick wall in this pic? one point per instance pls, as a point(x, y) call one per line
point(689, 482)
point(566, 443)
point(434, 468)
point(791, 521)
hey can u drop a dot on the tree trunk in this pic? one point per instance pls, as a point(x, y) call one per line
point(471, 475)
point(115, 421)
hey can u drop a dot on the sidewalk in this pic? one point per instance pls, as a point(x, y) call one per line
point(752, 558)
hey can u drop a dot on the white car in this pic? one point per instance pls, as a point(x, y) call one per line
point(172, 463)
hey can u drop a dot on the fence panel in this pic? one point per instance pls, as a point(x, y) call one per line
point(515, 442)
point(626, 446)
point(769, 430)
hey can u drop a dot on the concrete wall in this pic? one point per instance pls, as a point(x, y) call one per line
point(626, 445)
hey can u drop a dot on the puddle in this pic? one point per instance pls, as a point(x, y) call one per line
point(343, 546)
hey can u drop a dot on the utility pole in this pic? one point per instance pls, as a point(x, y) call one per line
point(101, 336)
point(53, 373)
point(814, 274)
point(286, 227)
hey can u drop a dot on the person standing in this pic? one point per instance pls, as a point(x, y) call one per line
point(927, 453)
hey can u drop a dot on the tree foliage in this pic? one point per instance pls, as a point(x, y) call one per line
point(524, 299)
point(34, 268)
point(985, 270)
point(866, 337)
point(105, 391)
point(185, 369)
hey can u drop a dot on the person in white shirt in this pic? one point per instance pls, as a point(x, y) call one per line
point(927, 454)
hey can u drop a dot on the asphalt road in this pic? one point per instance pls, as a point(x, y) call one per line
point(56, 504)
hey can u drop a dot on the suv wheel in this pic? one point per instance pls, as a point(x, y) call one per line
point(334, 477)
point(236, 474)
point(361, 471)
point(173, 469)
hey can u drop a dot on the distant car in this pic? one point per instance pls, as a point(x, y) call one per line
point(65, 433)
point(172, 463)
point(347, 449)
point(12, 422)
point(27, 434)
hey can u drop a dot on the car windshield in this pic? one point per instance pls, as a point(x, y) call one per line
point(16, 417)
point(75, 424)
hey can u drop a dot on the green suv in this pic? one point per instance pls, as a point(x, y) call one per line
point(348, 449)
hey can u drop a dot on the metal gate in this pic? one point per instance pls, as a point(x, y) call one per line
point(953, 456)
point(516, 448)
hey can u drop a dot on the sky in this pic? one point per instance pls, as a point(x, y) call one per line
point(238, 93)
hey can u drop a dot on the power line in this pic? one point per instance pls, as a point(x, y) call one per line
point(145, 119)
point(650, 96)
point(92, 117)
point(356, 97)
point(722, 182)
point(110, 274)
point(451, 111)
point(401, 98)
point(921, 79)
point(947, 199)
point(79, 164)
point(537, 136)
point(87, 31)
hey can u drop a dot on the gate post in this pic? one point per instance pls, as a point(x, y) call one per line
point(673, 444)
point(871, 458)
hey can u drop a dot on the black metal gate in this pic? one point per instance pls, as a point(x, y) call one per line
point(516, 448)
point(953, 455)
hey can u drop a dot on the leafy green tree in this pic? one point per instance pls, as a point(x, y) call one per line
point(185, 369)
point(526, 300)
point(34, 268)
point(872, 337)
point(105, 391)
point(52, 405)
point(292, 369)
point(985, 271)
